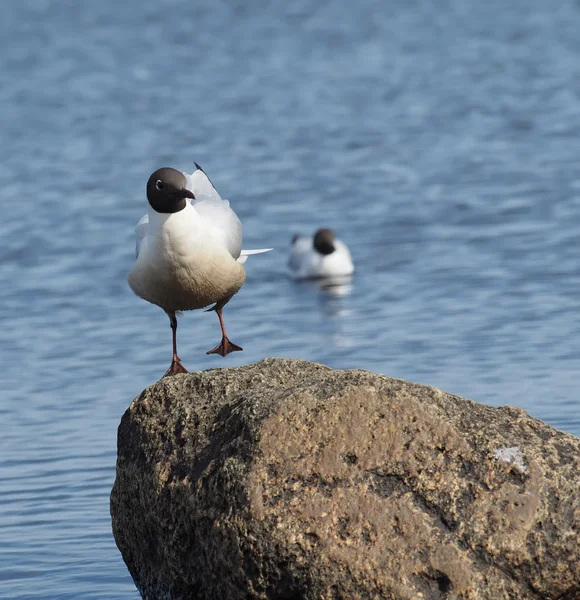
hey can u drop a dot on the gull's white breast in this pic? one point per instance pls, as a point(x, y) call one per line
point(183, 264)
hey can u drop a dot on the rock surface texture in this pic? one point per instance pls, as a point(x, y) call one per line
point(289, 480)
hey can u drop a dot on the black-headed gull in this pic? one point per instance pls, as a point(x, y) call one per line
point(320, 256)
point(189, 251)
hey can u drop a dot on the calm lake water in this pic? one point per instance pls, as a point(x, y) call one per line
point(443, 145)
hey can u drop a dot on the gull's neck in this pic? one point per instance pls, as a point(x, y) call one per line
point(185, 217)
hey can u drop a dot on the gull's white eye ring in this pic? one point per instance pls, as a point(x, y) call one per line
point(159, 184)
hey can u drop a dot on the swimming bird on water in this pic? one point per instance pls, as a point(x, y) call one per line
point(320, 256)
point(189, 251)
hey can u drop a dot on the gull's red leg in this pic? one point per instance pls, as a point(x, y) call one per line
point(225, 346)
point(176, 366)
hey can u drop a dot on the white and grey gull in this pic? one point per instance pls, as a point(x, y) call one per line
point(320, 256)
point(189, 251)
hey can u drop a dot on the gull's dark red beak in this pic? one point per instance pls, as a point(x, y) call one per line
point(187, 194)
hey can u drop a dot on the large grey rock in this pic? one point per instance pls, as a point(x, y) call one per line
point(289, 480)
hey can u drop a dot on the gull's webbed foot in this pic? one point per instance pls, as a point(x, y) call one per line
point(175, 368)
point(225, 347)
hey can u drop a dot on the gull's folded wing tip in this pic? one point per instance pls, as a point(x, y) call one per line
point(259, 251)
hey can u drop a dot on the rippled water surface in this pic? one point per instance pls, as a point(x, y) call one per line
point(443, 145)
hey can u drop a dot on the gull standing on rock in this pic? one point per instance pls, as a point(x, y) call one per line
point(321, 256)
point(189, 251)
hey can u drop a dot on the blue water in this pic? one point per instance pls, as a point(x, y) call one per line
point(441, 141)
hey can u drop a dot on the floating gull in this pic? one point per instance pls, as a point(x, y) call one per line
point(321, 256)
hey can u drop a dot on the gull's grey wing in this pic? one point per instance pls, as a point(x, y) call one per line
point(217, 212)
point(140, 233)
point(221, 217)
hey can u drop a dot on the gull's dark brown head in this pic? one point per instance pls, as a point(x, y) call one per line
point(324, 241)
point(166, 191)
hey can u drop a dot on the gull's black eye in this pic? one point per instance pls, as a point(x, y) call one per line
point(159, 184)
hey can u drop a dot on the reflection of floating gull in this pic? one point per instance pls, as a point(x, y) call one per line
point(189, 251)
point(335, 286)
point(321, 256)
